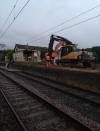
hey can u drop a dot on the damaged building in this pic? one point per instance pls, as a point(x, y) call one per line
point(26, 53)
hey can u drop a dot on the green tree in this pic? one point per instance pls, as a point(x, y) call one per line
point(43, 51)
point(89, 49)
point(96, 51)
point(9, 54)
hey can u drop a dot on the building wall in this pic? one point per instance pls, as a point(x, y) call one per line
point(18, 56)
point(39, 55)
point(36, 56)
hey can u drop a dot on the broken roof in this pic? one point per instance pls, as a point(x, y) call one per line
point(27, 47)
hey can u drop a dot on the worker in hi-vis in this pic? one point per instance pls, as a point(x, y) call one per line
point(48, 61)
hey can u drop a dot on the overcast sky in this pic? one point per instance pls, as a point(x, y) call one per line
point(40, 15)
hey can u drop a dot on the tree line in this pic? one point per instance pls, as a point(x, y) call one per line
point(96, 51)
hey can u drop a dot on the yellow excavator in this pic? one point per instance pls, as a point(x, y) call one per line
point(66, 52)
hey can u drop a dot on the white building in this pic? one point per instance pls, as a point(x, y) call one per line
point(24, 53)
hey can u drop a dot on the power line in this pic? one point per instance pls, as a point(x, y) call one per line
point(79, 23)
point(68, 20)
point(69, 27)
point(14, 19)
point(9, 15)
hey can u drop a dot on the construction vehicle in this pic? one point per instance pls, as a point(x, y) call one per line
point(66, 52)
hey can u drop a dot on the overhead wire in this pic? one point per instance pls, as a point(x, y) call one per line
point(9, 15)
point(91, 18)
point(69, 27)
point(57, 25)
point(15, 18)
point(68, 20)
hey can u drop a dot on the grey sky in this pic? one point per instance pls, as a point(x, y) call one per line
point(40, 15)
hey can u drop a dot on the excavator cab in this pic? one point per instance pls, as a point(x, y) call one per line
point(65, 50)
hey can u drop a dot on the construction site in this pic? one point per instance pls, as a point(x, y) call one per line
point(50, 65)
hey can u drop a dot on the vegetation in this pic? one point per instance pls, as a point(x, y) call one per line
point(9, 54)
point(96, 52)
point(43, 51)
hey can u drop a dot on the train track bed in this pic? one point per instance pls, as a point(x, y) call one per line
point(82, 101)
point(89, 81)
point(78, 92)
point(34, 113)
point(6, 117)
point(81, 109)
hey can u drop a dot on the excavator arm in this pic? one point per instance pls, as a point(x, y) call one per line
point(68, 54)
point(60, 39)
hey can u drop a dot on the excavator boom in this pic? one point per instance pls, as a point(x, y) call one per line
point(68, 52)
point(58, 39)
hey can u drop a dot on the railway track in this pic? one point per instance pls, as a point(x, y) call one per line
point(7, 118)
point(87, 107)
point(88, 96)
point(33, 113)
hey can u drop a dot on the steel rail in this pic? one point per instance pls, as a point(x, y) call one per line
point(48, 101)
point(62, 90)
point(44, 78)
point(13, 111)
